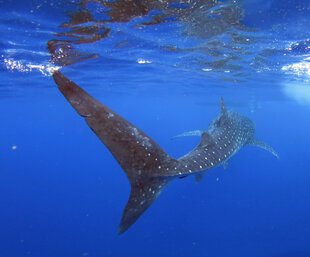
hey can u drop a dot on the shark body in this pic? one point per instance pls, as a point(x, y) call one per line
point(148, 167)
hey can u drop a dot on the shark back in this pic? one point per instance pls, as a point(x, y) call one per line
point(226, 134)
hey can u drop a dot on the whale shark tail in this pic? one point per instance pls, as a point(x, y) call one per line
point(140, 156)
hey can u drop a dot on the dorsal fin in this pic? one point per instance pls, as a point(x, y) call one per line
point(206, 139)
point(223, 107)
point(223, 118)
point(136, 152)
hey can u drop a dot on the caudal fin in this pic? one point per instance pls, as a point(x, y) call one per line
point(140, 156)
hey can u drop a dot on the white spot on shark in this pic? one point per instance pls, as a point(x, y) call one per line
point(110, 115)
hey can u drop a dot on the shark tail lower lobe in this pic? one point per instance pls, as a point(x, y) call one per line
point(139, 155)
point(142, 195)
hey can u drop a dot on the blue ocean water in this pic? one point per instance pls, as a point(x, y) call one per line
point(163, 65)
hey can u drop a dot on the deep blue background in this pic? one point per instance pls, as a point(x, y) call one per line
point(62, 193)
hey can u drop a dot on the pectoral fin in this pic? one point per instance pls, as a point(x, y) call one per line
point(261, 144)
point(190, 133)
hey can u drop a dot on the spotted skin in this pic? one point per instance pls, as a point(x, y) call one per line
point(148, 167)
point(226, 136)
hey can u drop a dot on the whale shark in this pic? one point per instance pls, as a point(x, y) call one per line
point(148, 167)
